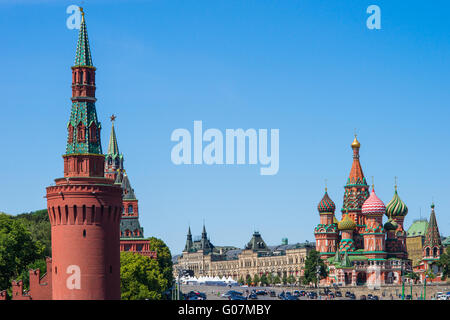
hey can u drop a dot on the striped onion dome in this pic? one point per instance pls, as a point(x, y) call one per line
point(326, 204)
point(346, 223)
point(396, 207)
point(373, 205)
point(391, 225)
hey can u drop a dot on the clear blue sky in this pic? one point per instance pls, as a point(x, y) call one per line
point(309, 68)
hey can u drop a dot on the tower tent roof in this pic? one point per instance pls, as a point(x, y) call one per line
point(113, 146)
point(432, 237)
point(83, 53)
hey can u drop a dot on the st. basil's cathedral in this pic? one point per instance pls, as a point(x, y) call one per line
point(361, 250)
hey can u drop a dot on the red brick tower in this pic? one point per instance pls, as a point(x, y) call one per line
point(84, 207)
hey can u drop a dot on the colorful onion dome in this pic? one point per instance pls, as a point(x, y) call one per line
point(355, 143)
point(346, 223)
point(373, 205)
point(326, 204)
point(396, 207)
point(391, 225)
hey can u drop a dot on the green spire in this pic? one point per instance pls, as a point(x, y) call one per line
point(346, 261)
point(83, 55)
point(113, 147)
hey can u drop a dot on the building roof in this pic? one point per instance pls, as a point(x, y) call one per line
point(418, 228)
point(83, 54)
point(432, 237)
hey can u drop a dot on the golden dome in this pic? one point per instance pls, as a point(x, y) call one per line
point(346, 223)
point(355, 143)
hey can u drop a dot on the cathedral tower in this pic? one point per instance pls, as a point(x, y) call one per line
point(326, 231)
point(373, 210)
point(356, 192)
point(84, 207)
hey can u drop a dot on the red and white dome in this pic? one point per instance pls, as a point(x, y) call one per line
point(373, 205)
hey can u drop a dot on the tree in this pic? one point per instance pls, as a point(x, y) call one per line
point(284, 279)
point(241, 280)
point(413, 276)
point(291, 279)
point(248, 280)
point(40, 264)
point(17, 249)
point(269, 278)
point(276, 279)
point(312, 263)
point(144, 278)
point(164, 257)
point(443, 263)
point(38, 223)
point(263, 280)
point(141, 277)
point(256, 279)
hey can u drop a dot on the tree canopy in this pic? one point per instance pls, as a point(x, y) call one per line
point(145, 278)
point(312, 261)
point(18, 249)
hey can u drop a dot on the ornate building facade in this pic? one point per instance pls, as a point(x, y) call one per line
point(359, 249)
point(256, 258)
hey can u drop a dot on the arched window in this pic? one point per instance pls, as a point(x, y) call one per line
point(70, 129)
point(427, 252)
point(81, 77)
point(88, 77)
point(435, 252)
point(130, 208)
point(93, 133)
point(81, 135)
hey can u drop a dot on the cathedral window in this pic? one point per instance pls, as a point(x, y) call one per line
point(130, 208)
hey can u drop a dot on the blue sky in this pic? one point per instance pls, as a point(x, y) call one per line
point(308, 68)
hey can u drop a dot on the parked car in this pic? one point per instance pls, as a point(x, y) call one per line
point(237, 297)
point(261, 292)
point(338, 294)
point(352, 296)
point(231, 293)
point(272, 293)
point(362, 297)
point(376, 298)
point(290, 297)
point(253, 296)
point(348, 294)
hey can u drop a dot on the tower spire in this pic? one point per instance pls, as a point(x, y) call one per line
point(83, 53)
point(113, 147)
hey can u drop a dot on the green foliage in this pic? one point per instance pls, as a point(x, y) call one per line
point(263, 280)
point(145, 278)
point(256, 279)
point(312, 261)
point(164, 257)
point(241, 280)
point(269, 278)
point(284, 279)
point(276, 279)
point(248, 280)
point(291, 279)
point(40, 264)
point(38, 223)
point(18, 249)
point(443, 263)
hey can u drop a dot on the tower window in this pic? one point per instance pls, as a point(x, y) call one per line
point(130, 208)
point(84, 233)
